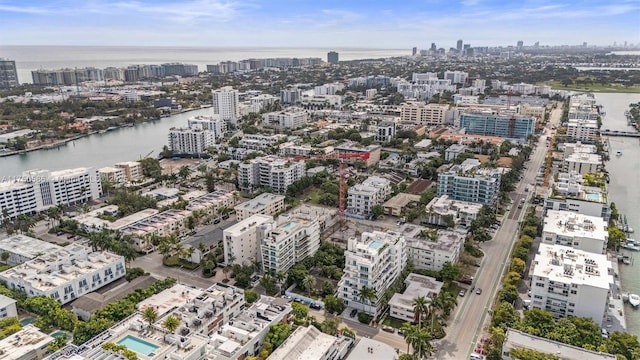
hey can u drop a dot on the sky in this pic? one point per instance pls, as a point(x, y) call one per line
point(318, 23)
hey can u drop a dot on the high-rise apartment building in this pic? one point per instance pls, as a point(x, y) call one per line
point(363, 197)
point(190, 141)
point(292, 118)
point(459, 45)
point(225, 104)
point(424, 114)
point(332, 57)
point(8, 74)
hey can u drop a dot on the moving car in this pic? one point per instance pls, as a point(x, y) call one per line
point(462, 292)
point(478, 291)
point(353, 313)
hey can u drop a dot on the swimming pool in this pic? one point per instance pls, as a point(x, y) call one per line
point(592, 196)
point(376, 244)
point(290, 225)
point(27, 321)
point(138, 345)
point(61, 333)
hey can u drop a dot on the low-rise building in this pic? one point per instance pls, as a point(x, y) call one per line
point(260, 142)
point(401, 305)
point(442, 211)
point(190, 141)
point(581, 232)
point(245, 335)
point(372, 261)
point(516, 339)
point(467, 182)
point(582, 163)
point(397, 205)
point(65, 274)
point(170, 222)
point(114, 175)
point(294, 238)
point(361, 198)
point(27, 344)
point(488, 122)
point(211, 203)
point(567, 193)
point(265, 203)
point(22, 248)
point(578, 148)
point(583, 130)
point(570, 282)
point(453, 151)
point(372, 349)
point(372, 151)
point(309, 343)
point(430, 249)
point(241, 242)
point(132, 170)
point(292, 118)
point(8, 307)
point(385, 131)
point(424, 114)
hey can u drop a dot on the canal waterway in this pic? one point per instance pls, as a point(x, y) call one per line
point(624, 188)
point(98, 150)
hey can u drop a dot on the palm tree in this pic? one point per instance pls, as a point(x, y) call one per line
point(367, 294)
point(280, 277)
point(171, 323)
point(408, 333)
point(420, 307)
point(150, 315)
point(449, 301)
point(422, 346)
point(309, 282)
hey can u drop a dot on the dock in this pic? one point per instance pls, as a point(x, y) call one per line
point(615, 320)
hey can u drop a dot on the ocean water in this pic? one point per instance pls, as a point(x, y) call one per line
point(30, 58)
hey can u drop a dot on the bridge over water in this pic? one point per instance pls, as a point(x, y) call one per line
point(632, 134)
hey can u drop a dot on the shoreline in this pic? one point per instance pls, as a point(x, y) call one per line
point(64, 142)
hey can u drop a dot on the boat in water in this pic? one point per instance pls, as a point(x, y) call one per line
point(634, 300)
point(632, 245)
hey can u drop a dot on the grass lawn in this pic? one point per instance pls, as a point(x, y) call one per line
point(314, 194)
point(610, 88)
point(393, 322)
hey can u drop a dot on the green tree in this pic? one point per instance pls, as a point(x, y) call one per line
point(58, 343)
point(450, 271)
point(328, 288)
point(529, 354)
point(250, 296)
point(616, 238)
point(150, 315)
point(268, 282)
point(420, 307)
point(377, 210)
point(171, 323)
point(308, 283)
point(330, 326)
point(300, 311)
point(517, 266)
point(368, 295)
point(504, 315)
point(509, 293)
point(333, 304)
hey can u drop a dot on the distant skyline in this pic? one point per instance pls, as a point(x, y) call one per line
point(331, 23)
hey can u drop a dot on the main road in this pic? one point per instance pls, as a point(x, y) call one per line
point(472, 313)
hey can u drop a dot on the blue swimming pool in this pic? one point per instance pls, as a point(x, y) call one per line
point(592, 196)
point(138, 345)
point(376, 244)
point(27, 321)
point(290, 225)
point(61, 333)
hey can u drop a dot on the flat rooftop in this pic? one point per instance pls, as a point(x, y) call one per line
point(569, 223)
point(18, 345)
point(417, 286)
point(567, 265)
point(171, 298)
point(250, 222)
point(372, 349)
point(260, 202)
point(27, 246)
point(306, 343)
point(518, 339)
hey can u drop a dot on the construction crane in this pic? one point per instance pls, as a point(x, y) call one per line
point(341, 157)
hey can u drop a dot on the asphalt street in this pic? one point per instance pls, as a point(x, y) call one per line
point(472, 315)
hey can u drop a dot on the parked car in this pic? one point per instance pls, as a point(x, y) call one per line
point(353, 313)
point(388, 329)
point(400, 332)
point(315, 306)
point(462, 292)
point(478, 291)
point(605, 333)
point(59, 233)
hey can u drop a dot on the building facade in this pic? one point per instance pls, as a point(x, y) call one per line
point(372, 261)
point(467, 183)
point(581, 232)
point(65, 274)
point(361, 198)
point(401, 305)
point(190, 141)
point(569, 282)
point(23, 248)
point(225, 104)
point(503, 125)
point(290, 119)
point(429, 249)
point(272, 172)
point(265, 204)
point(241, 241)
point(294, 238)
point(8, 74)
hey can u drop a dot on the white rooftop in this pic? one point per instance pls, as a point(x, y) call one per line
point(372, 349)
point(567, 265)
point(26, 246)
point(250, 222)
point(260, 202)
point(18, 345)
point(417, 286)
point(306, 343)
point(168, 299)
point(518, 339)
point(569, 223)
point(5, 301)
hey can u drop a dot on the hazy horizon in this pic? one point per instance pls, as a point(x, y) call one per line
point(326, 24)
